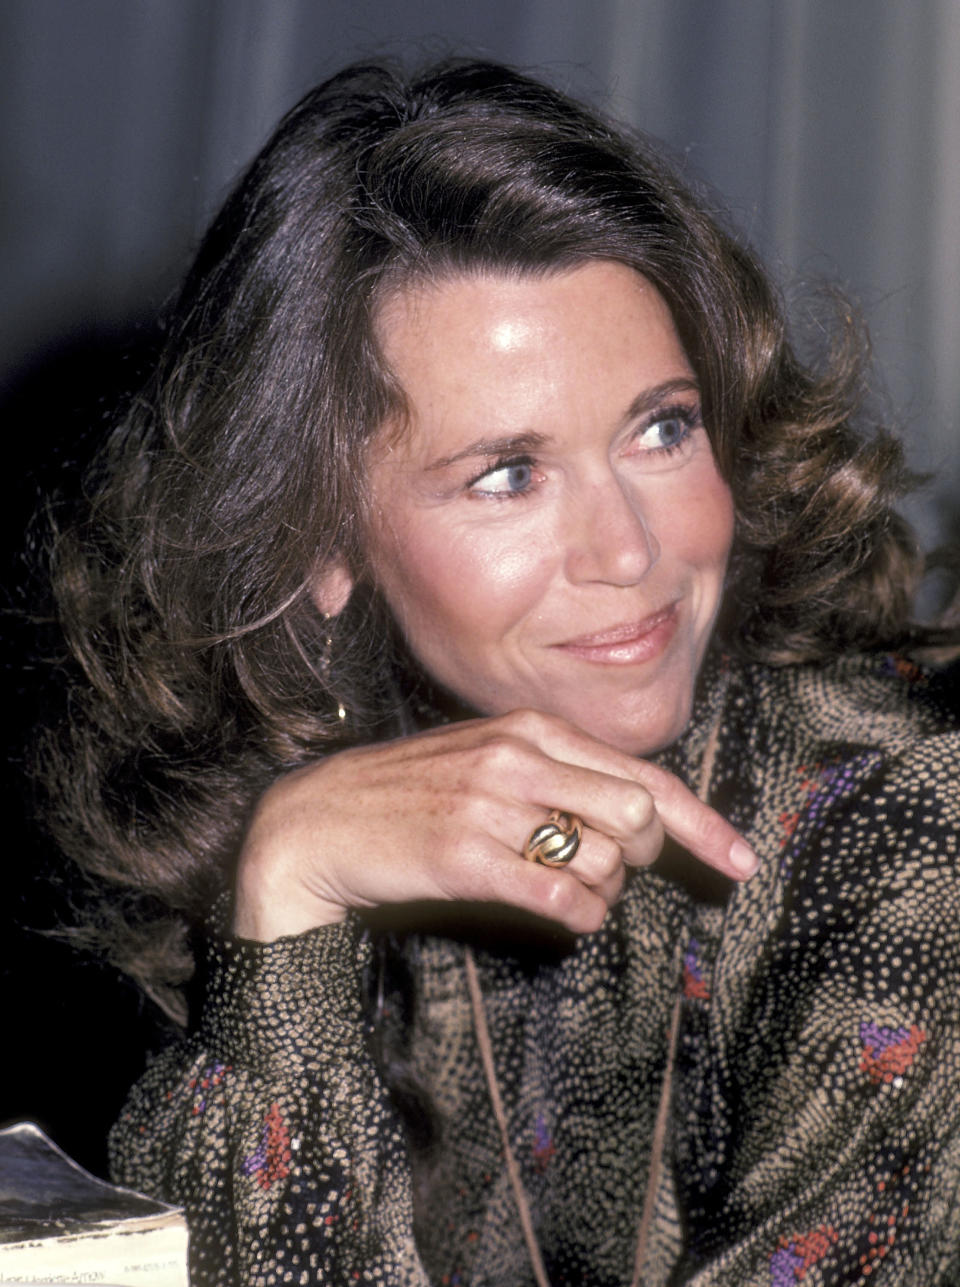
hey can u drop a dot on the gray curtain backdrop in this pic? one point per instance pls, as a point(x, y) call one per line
point(831, 127)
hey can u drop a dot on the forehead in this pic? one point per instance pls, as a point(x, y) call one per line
point(503, 349)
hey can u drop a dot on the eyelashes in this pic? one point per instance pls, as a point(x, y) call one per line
point(511, 476)
point(674, 425)
point(664, 433)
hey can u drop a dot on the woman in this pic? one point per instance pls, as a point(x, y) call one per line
point(480, 509)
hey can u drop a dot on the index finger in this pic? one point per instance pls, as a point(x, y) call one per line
point(685, 817)
point(695, 825)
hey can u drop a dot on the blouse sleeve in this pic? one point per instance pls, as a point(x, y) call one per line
point(835, 1089)
point(271, 1126)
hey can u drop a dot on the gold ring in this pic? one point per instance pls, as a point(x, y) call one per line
point(556, 841)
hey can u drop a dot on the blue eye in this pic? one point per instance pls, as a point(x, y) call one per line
point(672, 432)
point(518, 476)
point(669, 430)
point(511, 478)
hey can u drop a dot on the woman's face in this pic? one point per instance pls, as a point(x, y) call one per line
point(549, 526)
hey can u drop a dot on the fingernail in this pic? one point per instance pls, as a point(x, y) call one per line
point(743, 858)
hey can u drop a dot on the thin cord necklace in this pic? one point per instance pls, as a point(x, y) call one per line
point(485, 1045)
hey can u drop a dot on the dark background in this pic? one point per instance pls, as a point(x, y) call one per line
point(832, 130)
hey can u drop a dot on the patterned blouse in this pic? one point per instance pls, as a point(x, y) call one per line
point(814, 1128)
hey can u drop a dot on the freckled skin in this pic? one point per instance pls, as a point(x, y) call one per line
point(583, 582)
point(551, 532)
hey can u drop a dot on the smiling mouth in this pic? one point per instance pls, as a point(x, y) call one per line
point(627, 644)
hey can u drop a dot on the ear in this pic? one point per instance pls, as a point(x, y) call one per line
point(331, 587)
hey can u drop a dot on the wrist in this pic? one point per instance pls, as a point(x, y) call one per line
point(270, 903)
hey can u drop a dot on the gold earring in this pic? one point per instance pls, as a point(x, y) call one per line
point(326, 666)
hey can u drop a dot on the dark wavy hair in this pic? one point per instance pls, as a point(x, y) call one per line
point(201, 667)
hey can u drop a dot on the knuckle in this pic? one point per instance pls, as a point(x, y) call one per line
point(559, 896)
point(504, 755)
point(518, 720)
point(639, 810)
point(530, 724)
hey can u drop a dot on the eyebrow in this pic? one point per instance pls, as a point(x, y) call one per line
point(509, 444)
point(514, 444)
point(650, 399)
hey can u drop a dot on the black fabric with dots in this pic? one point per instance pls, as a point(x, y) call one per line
point(815, 1113)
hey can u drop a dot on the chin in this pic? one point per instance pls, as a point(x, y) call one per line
point(649, 732)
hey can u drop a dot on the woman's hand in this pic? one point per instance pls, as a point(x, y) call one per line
point(445, 815)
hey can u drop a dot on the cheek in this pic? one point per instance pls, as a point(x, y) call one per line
point(707, 526)
point(720, 527)
point(465, 585)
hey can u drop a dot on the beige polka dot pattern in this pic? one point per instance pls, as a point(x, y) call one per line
point(815, 1117)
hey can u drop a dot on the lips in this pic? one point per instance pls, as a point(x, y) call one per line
point(628, 643)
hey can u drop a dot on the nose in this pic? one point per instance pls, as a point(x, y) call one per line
point(609, 538)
